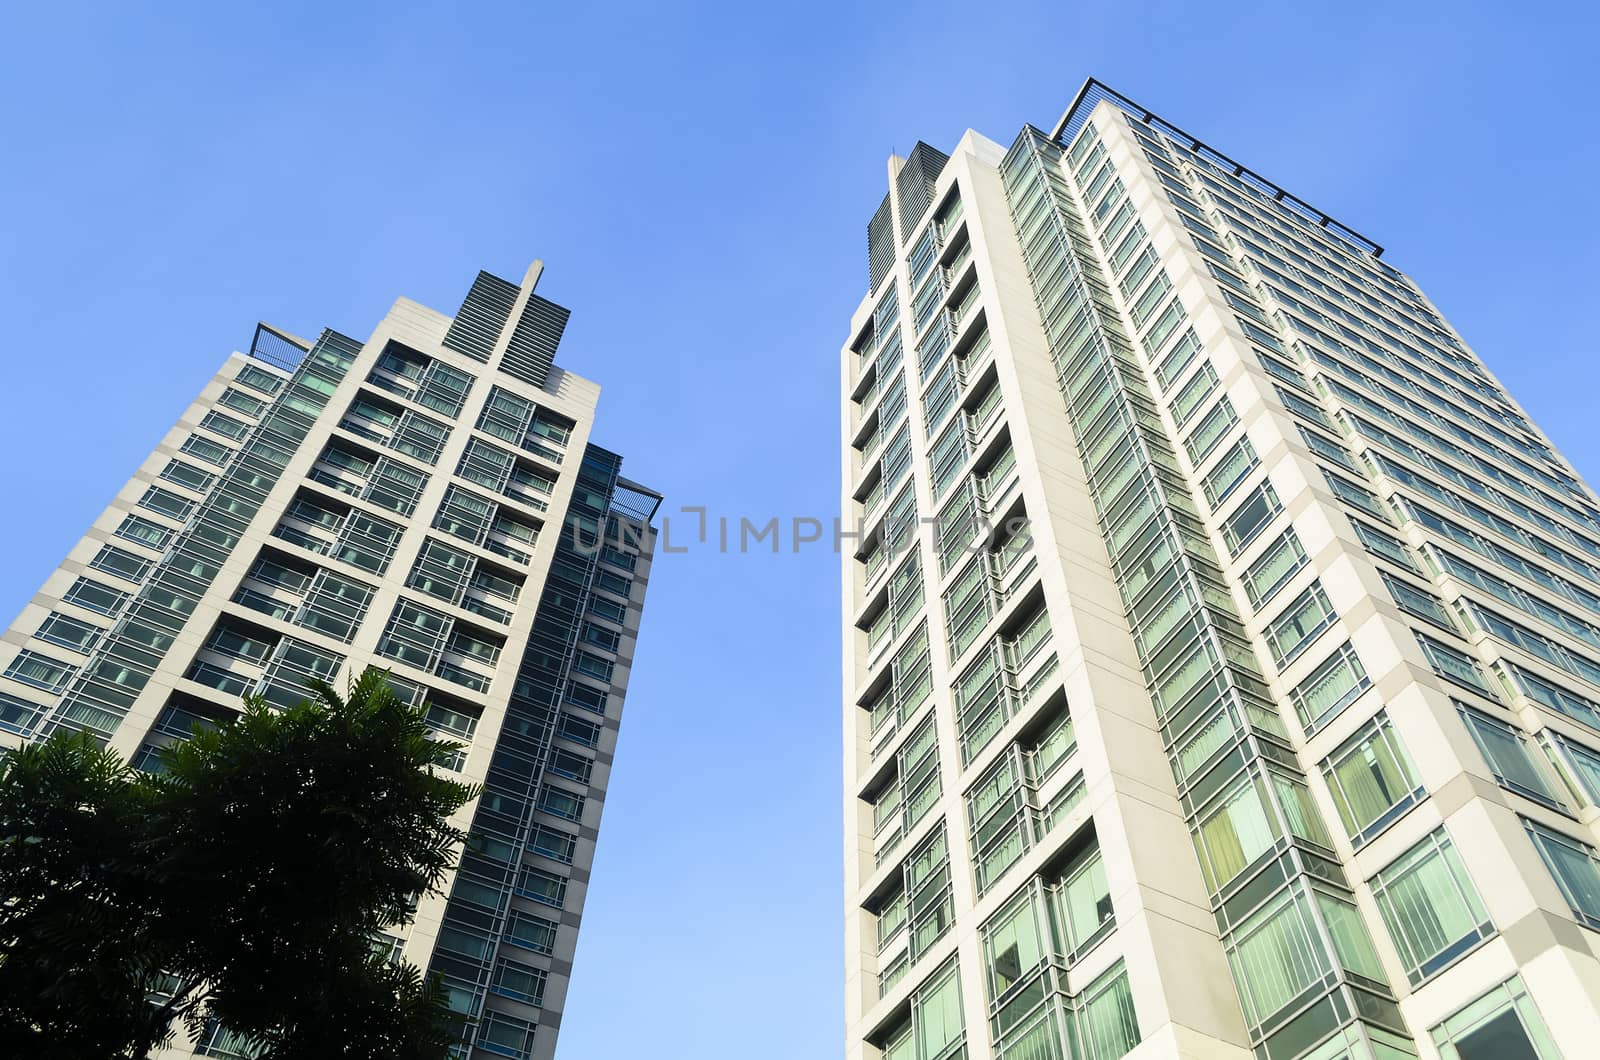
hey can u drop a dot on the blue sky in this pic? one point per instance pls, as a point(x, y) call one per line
point(698, 179)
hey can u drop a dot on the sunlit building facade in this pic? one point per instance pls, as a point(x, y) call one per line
point(427, 501)
point(1222, 642)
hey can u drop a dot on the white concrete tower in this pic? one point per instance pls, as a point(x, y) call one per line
point(1222, 651)
point(427, 501)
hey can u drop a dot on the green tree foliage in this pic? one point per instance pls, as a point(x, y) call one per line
point(241, 885)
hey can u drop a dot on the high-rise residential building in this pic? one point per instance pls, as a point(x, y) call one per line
point(427, 501)
point(1222, 651)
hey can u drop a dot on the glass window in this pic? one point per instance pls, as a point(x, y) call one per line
point(1001, 822)
point(1141, 308)
point(239, 644)
point(1301, 407)
point(144, 532)
point(1234, 831)
point(1273, 568)
point(1124, 250)
point(217, 1040)
point(225, 425)
point(1327, 450)
point(1054, 744)
point(891, 917)
point(1265, 338)
point(121, 562)
point(936, 1015)
point(505, 1035)
point(1211, 430)
point(1228, 277)
point(1299, 812)
point(930, 905)
point(579, 729)
point(1015, 942)
point(518, 981)
point(1299, 625)
point(1188, 398)
point(1287, 374)
point(1250, 517)
point(534, 933)
point(211, 452)
point(541, 886)
point(40, 671)
point(239, 401)
point(1277, 957)
point(1084, 900)
point(167, 503)
point(561, 803)
point(594, 666)
point(1332, 686)
point(1501, 1025)
point(610, 639)
point(1351, 944)
point(1430, 907)
point(1455, 665)
point(68, 632)
point(1183, 352)
point(1579, 765)
point(613, 583)
point(259, 378)
point(187, 475)
point(1371, 779)
point(1505, 748)
point(1414, 601)
point(18, 715)
point(1230, 470)
point(898, 1043)
point(573, 766)
point(1108, 1022)
point(1354, 495)
point(1575, 867)
point(1139, 270)
point(1385, 545)
point(917, 776)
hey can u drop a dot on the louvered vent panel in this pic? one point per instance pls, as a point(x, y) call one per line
point(533, 344)
point(880, 243)
point(915, 184)
point(482, 317)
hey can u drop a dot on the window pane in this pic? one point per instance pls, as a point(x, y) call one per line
point(1430, 906)
point(1506, 750)
point(1329, 688)
point(1235, 832)
point(1250, 517)
point(1014, 943)
point(1573, 865)
point(1501, 1025)
point(936, 1014)
point(1300, 623)
point(1585, 768)
point(1371, 779)
point(68, 632)
point(1229, 471)
point(1109, 1023)
point(1454, 665)
point(1085, 898)
point(1274, 567)
point(1349, 935)
point(1277, 957)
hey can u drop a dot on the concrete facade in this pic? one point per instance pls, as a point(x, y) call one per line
point(407, 502)
point(1300, 758)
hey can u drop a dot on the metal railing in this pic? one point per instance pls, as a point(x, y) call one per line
point(278, 348)
point(1093, 92)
